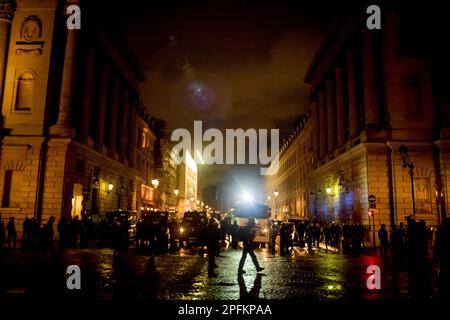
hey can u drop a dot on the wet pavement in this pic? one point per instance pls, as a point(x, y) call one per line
point(318, 276)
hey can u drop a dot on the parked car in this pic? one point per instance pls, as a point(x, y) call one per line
point(192, 228)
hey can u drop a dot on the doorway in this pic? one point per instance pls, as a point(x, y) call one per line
point(77, 200)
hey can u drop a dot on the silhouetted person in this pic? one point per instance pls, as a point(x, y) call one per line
point(309, 234)
point(12, 233)
point(326, 236)
point(347, 235)
point(442, 255)
point(284, 234)
point(234, 234)
point(2, 233)
point(384, 240)
point(63, 233)
point(49, 233)
point(316, 235)
point(272, 237)
point(254, 291)
point(27, 232)
point(75, 227)
point(396, 245)
point(248, 235)
point(418, 264)
point(36, 230)
point(212, 237)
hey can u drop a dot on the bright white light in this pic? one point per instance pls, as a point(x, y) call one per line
point(247, 197)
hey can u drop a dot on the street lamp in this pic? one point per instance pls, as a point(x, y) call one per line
point(403, 150)
point(155, 183)
point(275, 194)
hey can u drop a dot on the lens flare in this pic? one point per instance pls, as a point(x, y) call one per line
point(202, 96)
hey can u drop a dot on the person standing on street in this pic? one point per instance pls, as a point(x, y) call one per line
point(384, 242)
point(12, 233)
point(49, 233)
point(212, 242)
point(248, 234)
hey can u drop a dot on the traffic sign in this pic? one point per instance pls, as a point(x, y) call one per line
point(372, 199)
point(372, 205)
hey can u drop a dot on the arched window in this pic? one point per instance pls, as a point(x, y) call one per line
point(24, 91)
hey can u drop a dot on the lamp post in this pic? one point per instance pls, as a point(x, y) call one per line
point(403, 150)
point(275, 194)
point(372, 214)
point(155, 184)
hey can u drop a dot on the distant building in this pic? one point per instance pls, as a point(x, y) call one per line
point(167, 172)
point(372, 91)
point(77, 137)
point(187, 186)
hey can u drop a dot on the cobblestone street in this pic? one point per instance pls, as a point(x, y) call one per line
point(183, 276)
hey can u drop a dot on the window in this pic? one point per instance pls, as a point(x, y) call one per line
point(7, 188)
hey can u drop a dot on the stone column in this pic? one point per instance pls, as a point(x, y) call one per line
point(322, 126)
point(112, 152)
point(87, 96)
point(371, 102)
point(340, 113)
point(63, 126)
point(353, 109)
point(102, 108)
point(7, 9)
point(316, 131)
point(131, 135)
point(124, 120)
point(331, 117)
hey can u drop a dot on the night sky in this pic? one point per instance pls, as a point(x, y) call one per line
point(230, 64)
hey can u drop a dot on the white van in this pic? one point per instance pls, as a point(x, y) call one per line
point(261, 213)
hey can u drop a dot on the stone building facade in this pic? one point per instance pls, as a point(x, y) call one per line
point(287, 191)
point(77, 136)
point(371, 92)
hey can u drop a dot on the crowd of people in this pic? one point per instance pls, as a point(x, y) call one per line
point(411, 241)
point(73, 234)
